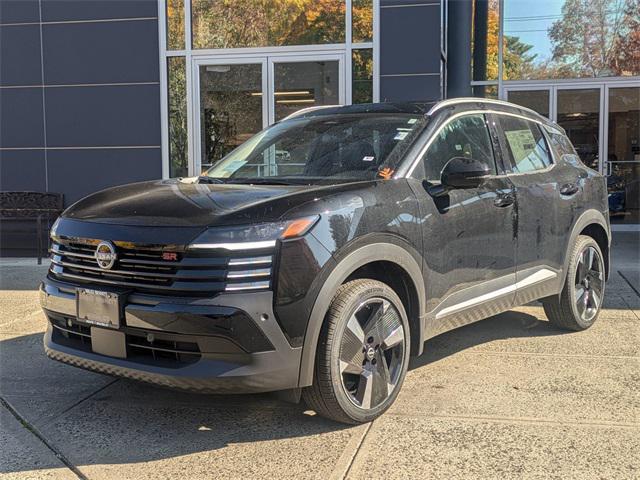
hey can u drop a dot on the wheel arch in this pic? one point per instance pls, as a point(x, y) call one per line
point(367, 260)
point(591, 223)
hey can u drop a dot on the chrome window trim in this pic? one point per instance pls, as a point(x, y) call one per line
point(424, 149)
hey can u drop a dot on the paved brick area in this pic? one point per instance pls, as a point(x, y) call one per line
point(508, 397)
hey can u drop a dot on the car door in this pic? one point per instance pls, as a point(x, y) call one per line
point(468, 234)
point(542, 227)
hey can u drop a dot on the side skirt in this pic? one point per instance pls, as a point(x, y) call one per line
point(490, 298)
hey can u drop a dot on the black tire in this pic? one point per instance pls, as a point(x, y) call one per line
point(329, 394)
point(571, 309)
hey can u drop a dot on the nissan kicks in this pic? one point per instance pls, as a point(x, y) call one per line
point(322, 253)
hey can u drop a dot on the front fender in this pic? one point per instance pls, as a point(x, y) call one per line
point(360, 256)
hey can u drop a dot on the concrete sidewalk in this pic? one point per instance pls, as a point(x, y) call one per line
point(508, 397)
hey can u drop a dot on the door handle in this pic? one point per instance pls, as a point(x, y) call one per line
point(569, 189)
point(504, 199)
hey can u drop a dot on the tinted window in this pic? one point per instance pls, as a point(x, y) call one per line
point(466, 136)
point(525, 144)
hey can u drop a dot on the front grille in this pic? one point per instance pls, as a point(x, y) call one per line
point(161, 269)
point(167, 351)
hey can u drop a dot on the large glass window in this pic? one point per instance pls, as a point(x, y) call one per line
point(175, 24)
point(536, 100)
point(466, 136)
point(305, 84)
point(362, 76)
point(247, 23)
point(486, 27)
point(546, 39)
point(176, 75)
point(361, 21)
point(230, 96)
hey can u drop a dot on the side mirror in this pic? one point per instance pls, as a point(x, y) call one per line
point(462, 172)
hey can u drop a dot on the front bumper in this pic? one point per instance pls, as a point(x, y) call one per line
point(235, 343)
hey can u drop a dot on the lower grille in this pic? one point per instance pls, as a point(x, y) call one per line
point(167, 352)
point(161, 352)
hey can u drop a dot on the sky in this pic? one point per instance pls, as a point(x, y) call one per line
point(530, 20)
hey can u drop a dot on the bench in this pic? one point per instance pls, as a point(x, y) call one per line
point(37, 207)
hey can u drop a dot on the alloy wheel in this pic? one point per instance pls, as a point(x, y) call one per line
point(589, 284)
point(372, 353)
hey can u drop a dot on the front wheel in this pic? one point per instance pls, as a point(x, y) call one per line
point(578, 305)
point(362, 354)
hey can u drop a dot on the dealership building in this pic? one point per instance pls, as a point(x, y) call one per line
point(95, 93)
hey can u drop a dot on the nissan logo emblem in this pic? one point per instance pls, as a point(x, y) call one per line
point(106, 255)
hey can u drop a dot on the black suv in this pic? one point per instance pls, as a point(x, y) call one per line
point(319, 255)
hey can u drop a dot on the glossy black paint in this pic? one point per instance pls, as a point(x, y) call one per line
point(460, 240)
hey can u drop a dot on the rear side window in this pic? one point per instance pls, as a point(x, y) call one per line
point(524, 143)
point(466, 136)
point(562, 147)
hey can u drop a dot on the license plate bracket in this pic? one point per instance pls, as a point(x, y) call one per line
point(97, 307)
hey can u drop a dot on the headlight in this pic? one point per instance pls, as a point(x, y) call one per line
point(253, 237)
point(54, 228)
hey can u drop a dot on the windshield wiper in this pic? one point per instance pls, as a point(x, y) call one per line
point(266, 181)
point(209, 180)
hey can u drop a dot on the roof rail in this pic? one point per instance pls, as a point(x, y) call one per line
point(307, 110)
point(455, 101)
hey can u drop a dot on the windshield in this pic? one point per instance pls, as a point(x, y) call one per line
point(323, 149)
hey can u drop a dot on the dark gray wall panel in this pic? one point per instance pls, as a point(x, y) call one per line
point(103, 116)
point(77, 173)
point(60, 10)
point(102, 52)
point(410, 88)
point(19, 11)
point(410, 39)
point(20, 55)
point(21, 117)
point(22, 170)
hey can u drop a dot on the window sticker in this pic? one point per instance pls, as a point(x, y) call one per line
point(521, 142)
point(400, 135)
point(368, 158)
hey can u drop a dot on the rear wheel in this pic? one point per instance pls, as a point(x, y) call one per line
point(362, 354)
point(578, 305)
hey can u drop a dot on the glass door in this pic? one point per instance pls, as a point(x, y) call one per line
point(237, 97)
point(578, 112)
point(303, 81)
point(231, 106)
point(623, 153)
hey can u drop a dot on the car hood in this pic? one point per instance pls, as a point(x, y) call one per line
point(179, 203)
